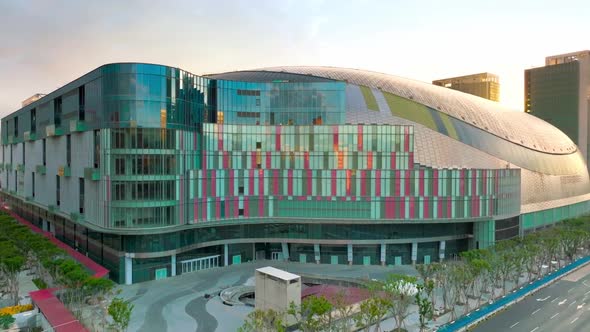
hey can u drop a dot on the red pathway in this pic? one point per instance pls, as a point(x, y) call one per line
point(60, 318)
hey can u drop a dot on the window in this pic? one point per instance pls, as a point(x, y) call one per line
point(119, 166)
point(15, 126)
point(44, 152)
point(57, 190)
point(24, 152)
point(57, 112)
point(81, 191)
point(96, 142)
point(119, 192)
point(241, 212)
point(240, 190)
point(81, 103)
point(16, 180)
point(69, 150)
point(33, 183)
point(33, 120)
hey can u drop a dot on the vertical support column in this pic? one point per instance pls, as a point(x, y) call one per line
point(349, 247)
point(383, 250)
point(441, 250)
point(253, 251)
point(173, 265)
point(128, 269)
point(44, 225)
point(285, 247)
point(225, 255)
point(316, 251)
point(414, 252)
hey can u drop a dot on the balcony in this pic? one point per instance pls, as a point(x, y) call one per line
point(92, 174)
point(51, 130)
point(41, 169)
point(64, 171)
point(30, 136)
point(77, 126)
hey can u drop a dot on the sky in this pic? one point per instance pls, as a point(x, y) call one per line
point(46, 44)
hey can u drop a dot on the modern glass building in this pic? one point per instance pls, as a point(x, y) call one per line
point(485, 85)
point(153, 171)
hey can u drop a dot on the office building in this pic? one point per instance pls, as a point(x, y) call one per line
point(153, 171)
point(483, 85)
point(559, 93)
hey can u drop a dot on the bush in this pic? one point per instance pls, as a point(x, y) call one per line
point(6, 320)
point(16, 309)
point(40, 283)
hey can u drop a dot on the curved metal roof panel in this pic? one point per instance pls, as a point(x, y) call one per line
point(517, 127)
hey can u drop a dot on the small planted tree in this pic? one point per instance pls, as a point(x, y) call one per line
point(264, 321)
point(120, 310)
point(400, 291)
point(425, 307)
point(314, 314)
point(371, 312)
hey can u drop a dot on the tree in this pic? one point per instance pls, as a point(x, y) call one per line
point(425, 307)
point(263, 321)
point(11, 263)
point(120, 310)
point(400, 291)
point(371, 312)
point(314, 314)
point(344, 311)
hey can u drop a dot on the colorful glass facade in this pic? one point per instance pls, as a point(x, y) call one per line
point(153, 171)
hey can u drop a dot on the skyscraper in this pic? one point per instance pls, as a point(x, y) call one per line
point(559, 94)
point(483, 85)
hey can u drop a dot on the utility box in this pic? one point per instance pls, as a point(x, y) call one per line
point(276, 289)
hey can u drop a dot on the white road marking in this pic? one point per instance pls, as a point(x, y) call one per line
point(555, 299)
point(571, 289)
point(536, 328)
point(575, 319)
point(562, 302)
point(554, 315)
point(534, 312)
point(580, 306)
point(569, 305)
point(587, 292)
point(513, 325)
point(541, 300)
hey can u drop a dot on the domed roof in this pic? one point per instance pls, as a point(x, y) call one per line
point(517, 127)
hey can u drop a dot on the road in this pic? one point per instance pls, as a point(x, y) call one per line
point(563, 306)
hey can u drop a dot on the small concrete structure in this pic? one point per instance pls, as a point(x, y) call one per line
point(276, 289)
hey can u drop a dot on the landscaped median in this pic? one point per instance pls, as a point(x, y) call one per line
point(73, 293)
point(484, 312)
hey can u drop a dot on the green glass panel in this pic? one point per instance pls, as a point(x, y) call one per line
point(236, 259)
point(161, 273)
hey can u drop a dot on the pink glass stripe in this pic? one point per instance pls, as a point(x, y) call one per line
point(306, 160)
point(246, 207)
point(335, 131)
point(393, 166)
point(360, 138)
point(213, 183)
point(251, 183)
point(220, 137)
point(268, 159)
point(406, 139)
point(411, 160)
point(363, 184)
point(412, 213)
point(484, 189)
point(225, 159)
point(236, 207)
point(462, 182)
